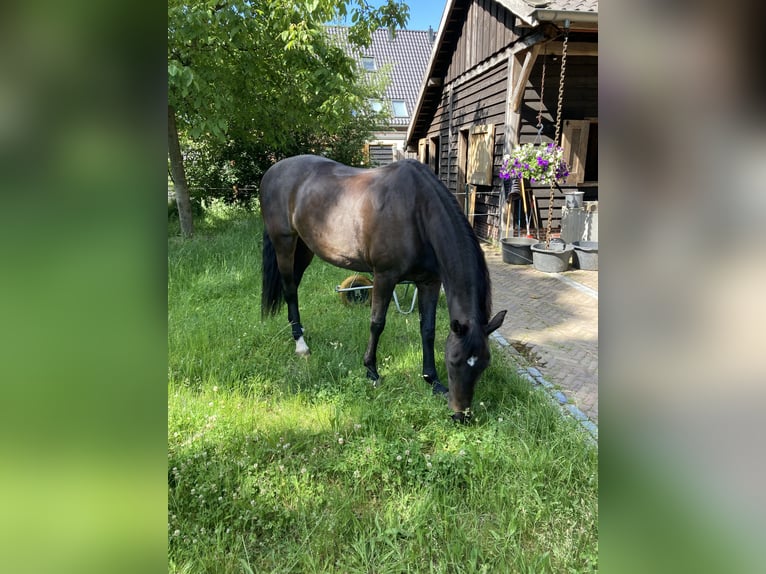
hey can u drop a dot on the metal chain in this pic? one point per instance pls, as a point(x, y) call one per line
point(558, 129)
point(539, 125)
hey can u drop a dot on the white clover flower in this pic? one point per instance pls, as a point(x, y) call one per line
point(340, 440)
point(176, 532)
point(398, 457)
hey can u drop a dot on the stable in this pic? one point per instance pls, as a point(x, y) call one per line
point(493, 82)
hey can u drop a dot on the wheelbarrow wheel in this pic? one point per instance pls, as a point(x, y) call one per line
point(356, 296)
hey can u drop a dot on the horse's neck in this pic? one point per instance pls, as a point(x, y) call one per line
point(460, 275)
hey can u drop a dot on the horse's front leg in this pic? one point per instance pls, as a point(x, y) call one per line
point(428, 297)
point(382, 291)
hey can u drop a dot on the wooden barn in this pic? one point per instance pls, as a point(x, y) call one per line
point(483, 93)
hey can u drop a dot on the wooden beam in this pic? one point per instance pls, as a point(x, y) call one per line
point(574, 48)
point(510, 127)
point(520, 83)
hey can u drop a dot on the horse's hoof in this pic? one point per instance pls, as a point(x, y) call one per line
point(462, 417)
point(374, 378)
point(439, 389)
point(301, 348)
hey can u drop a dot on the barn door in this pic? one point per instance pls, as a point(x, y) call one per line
point(422, 150)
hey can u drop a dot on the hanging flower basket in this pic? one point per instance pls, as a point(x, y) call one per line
point(536, 163)
point(541, 164)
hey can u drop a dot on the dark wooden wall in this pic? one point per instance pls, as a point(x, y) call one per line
point(487, 29)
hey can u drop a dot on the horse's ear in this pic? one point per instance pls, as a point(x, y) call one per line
point(496, 321)
point(458, 329)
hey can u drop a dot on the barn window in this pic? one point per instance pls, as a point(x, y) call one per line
point(368, 63)
point(481, 143)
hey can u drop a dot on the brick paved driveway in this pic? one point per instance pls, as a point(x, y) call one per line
point(552, 322)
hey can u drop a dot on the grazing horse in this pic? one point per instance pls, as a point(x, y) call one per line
point(400, 223)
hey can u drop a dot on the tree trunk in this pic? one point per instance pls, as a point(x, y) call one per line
point(179, 177)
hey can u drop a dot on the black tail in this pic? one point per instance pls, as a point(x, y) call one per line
point(271, 293)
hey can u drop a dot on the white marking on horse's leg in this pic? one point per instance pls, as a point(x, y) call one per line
point(301, 348)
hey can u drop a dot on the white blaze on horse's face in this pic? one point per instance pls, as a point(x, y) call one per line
point(472, 360)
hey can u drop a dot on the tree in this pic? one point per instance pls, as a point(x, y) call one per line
point(262, 69)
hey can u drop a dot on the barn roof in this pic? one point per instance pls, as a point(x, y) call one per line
point(580, 13)
point(407, 53)
point(534, 12)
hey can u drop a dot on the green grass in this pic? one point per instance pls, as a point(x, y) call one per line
point(282, 464)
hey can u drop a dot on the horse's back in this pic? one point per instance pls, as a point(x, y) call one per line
point(355, 218)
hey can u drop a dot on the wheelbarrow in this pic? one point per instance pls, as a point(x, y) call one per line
point(355, 291)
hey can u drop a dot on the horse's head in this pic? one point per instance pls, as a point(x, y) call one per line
point(467, 355)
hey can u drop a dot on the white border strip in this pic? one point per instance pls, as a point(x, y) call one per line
point(579, 286)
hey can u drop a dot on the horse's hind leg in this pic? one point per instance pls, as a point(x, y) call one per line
point(292, 258)
point(428, 297)
point(301, 260)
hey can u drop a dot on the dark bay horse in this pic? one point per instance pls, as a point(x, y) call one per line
point(400, 223)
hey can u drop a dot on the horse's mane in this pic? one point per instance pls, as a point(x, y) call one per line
point(467, 240)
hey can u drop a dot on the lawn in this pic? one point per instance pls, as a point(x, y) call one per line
point(278, 463)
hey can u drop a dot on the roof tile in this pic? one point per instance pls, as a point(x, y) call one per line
point(407, 53)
